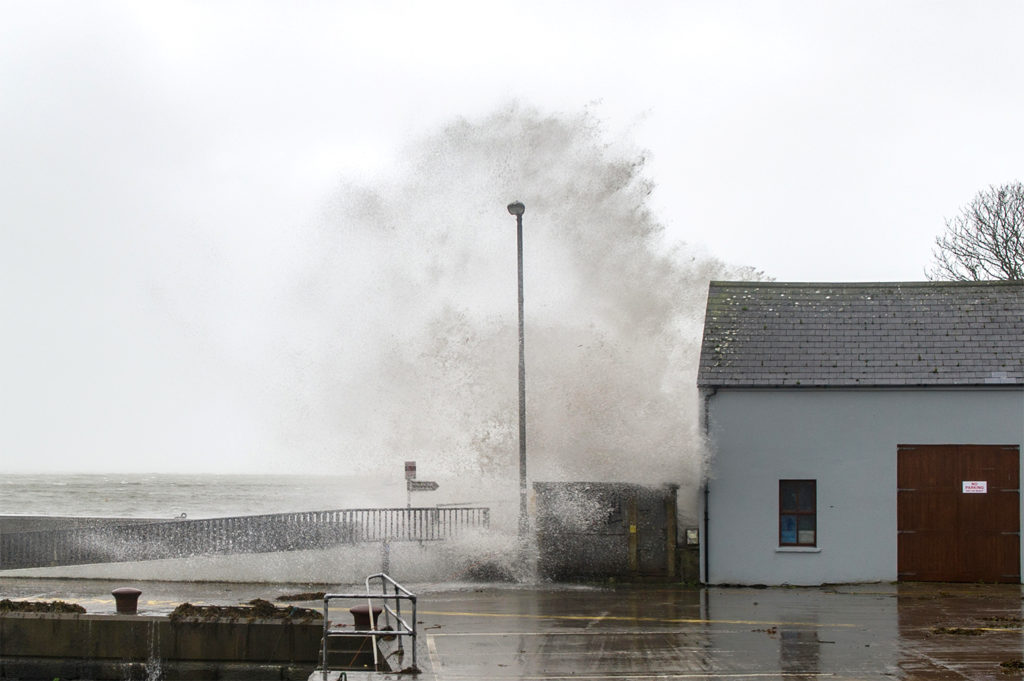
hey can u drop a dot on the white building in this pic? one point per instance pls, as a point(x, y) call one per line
point(863, 432)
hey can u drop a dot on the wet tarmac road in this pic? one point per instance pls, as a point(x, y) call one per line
point(906, 631)
point(863, 632)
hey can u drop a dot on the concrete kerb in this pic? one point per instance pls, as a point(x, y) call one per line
point(45, 669)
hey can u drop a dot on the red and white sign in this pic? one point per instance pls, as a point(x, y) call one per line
point(410, 470)
point(975, 486)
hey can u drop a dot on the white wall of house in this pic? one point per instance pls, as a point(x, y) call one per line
point(846, 440)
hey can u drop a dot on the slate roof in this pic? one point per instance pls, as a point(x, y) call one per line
point(760, 334)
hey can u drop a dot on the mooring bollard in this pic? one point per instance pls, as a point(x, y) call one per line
point(361, 617)
point(127, 600)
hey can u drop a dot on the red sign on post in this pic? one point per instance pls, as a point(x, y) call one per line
point(410, 470)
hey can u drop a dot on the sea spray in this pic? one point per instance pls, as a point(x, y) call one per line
point(402, 328)
point(397, 341)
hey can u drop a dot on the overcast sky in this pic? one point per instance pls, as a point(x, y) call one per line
point(816, 141)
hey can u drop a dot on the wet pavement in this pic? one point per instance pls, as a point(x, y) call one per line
point(555, 632)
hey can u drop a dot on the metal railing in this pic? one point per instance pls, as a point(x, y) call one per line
point(113, 543)
point(401, 627)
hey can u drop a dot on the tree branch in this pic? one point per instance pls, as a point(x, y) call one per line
point(985, 241)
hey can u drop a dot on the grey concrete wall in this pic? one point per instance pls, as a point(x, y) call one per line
point(847, 441)
point(127, 647)
point(140, 638)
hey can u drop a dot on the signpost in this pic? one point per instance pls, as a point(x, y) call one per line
point(414, 485)
point(421, 485)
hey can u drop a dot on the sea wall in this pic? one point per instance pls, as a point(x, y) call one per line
point(99, 647)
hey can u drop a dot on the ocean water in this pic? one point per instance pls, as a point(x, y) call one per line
point(197, 496)
point(208, 496)
point(212, 496)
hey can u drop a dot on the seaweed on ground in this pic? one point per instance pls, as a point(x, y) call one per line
point(257, 608)
point(7, 605)
point(958, 631)
point(305, 596)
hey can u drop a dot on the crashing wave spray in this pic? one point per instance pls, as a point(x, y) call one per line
point(414, 281)
point(401, 339)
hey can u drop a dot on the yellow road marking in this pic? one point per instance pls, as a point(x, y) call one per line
point(664, 675)
point(624, 618)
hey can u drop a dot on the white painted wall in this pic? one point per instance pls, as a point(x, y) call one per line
point(847, 441)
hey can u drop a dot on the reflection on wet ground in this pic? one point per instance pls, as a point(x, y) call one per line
point(873, 631)
point(959, 631)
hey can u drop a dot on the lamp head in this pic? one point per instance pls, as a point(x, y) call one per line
point(516, 208)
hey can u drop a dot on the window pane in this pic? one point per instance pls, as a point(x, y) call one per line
point(806, 527)
point(807, 496)
point(787, 529)
point(787, 495)
point(806, 537)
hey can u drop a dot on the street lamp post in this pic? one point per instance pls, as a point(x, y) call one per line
point(517, 208)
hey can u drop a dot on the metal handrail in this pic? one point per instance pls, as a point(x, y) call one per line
point(402, 628)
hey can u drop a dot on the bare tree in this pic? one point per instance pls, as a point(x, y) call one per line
point(986, 240)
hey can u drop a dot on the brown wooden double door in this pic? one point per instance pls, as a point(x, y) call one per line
point(958, 512)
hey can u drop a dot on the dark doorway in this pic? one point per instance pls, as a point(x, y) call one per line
point(958, 512)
